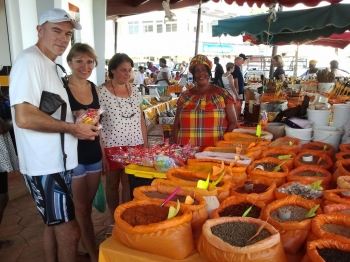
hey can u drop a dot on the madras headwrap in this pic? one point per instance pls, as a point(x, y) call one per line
point(200, 59)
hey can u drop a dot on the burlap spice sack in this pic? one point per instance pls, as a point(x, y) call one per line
point(269, 163)
point(236, 173)
point(293, 233)
point(330, 226)
point(237, 205)
point(170, 238)
point(342, 168)
point(314, 247)
point(311, 174)
point(276, 152)
point(318, 147)
point(263, 190)
point(280, 195)
point(326, 162)
point(185, 175)
point(199, 213)
point(213, 249)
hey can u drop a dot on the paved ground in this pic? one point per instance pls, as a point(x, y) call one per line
point(23, 224)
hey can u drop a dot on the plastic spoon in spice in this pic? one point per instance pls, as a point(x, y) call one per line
point(170, 197)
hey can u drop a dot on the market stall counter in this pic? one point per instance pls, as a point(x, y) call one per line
point(111, 250)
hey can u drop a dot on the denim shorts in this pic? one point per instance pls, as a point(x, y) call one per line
point(82, 170)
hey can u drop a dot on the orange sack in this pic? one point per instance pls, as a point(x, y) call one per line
point(334, 197)
point(213, 249)
point(186, 175)
point(273, 152)
point(280, 195)
point(342, 156)
point(324, 175)
point(278, 176)
point(170, 238)
point(237, 200)
point(244, 152)
point(344, 147)
point(326, 161)
point(318, 147)
point(336, 208)
point(290, 143)
point(342, 168)
point(318, 233)
point(294, 233)
point(313, 246)
point(199, 213)
point(237, 173)
point(267, 196)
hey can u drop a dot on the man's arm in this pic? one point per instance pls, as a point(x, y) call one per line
point(30, 117)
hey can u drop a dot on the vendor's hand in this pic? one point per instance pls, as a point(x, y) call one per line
point(84, 131)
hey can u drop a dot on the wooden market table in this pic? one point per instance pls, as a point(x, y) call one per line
point(112, 251)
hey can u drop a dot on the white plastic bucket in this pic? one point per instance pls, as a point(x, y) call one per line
point(325, 87)
point(341, 114)
point(305, 134)
point(328, 134)
point(318, 117)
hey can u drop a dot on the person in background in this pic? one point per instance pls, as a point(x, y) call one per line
point(205, 112)
point(279, 73)
point(219, 71)
point(153, 79)
point(311, 72)
point(238, 77)
point(38, 138)
point(177, 76)
point(152, 68)
point(245, 59)
point(229, 85)
point(171, 64)
point(132, 77)
point(334, 65)
point(183, 69)
point(164, 74)
point(86, 176)
point(140, 77)
point(8, 163)
point(123, 125)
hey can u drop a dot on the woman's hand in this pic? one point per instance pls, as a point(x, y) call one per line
point(105, 165)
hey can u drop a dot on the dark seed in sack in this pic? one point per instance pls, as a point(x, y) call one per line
point(316, 148)
point(347, 167)
point(346, 156)
point(239, 209)
point(297, 214)
point(238, 233)
point(258, 188)
point(268, 166)
point(301, 190)
point(334, 255)
point(144, 215)
point(276, 155)
point(337, 229)
point(164, 196)
point(314, 161)
point(310, 173)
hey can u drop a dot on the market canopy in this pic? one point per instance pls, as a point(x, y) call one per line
point(290, 26)
point(287, 3)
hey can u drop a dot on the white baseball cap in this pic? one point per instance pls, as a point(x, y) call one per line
point(57, 15)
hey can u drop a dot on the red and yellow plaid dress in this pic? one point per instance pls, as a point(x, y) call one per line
point(203, 117)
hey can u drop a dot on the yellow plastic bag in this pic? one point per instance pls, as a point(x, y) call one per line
point(213, 249)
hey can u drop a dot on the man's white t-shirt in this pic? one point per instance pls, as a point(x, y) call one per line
point(40, 153)
point(139, 78)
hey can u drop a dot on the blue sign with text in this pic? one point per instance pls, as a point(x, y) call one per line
point(217, 48)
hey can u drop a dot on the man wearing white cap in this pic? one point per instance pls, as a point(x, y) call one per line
point(41, 148)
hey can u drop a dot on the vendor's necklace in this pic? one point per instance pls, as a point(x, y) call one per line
point(199, 102)
point(127, 90)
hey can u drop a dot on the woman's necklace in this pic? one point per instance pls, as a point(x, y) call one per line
point(200, 100)
point(127, 90)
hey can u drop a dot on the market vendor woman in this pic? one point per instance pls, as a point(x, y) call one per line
point(279, 74)
point(205, 112)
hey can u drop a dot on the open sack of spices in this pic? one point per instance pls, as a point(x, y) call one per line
point(264, 134)
point(259, 188)
point(162, 156)
point(318, 147)
point(337, 208)
point(341, 168)
point(310, 173)
point(281, 154)
point(291, 216)
point(328, 250)
point(313, 158)
point(234, 150)
point(240, 206)
point(144, 225)
point(235, 172)
point(290, 143)
point(240, 239)
point(336, 196)
point(331, 226)
point(193, 200)
point(226, 157)
point(270, 168)
point(342, 156)
point(305, 189)
point(344, 148)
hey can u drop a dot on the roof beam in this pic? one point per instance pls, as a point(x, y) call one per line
point(136, 3)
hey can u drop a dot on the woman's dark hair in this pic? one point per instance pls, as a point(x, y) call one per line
point(162, 60)
point(80, 48)
point(194, 72)
point(116, 60)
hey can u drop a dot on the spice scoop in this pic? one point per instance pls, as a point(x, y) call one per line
point(170, 197)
